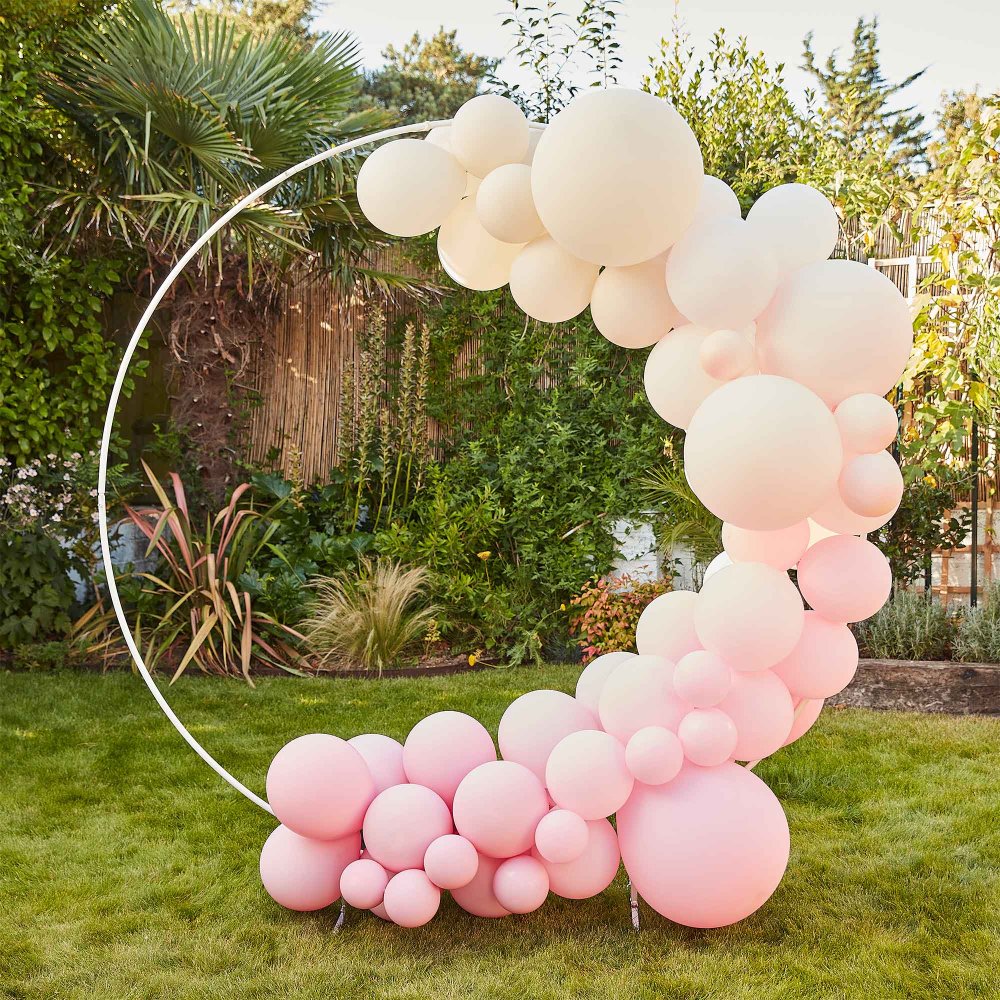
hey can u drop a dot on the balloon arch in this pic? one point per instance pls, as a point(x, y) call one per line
point(775, 360)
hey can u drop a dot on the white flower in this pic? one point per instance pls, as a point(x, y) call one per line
point(56, 518)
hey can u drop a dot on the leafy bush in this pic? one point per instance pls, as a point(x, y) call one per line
point(45, 656)
point(909, 627)
point(36, 592)
point(978, 638)
point(607, 611)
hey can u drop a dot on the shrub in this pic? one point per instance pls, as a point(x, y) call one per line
point(36, 592)
point(978, 638)
point(45, 656)
point(909, 627)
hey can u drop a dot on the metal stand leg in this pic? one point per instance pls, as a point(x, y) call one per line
point(633, 900)
point(340, 920)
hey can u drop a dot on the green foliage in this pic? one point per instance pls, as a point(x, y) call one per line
point(909, 627)
point(36, 592)
point(604, 615)
point(978, 638)
point(45, 656)
point(258, 16)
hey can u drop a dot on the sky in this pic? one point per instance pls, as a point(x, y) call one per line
point(957, 40)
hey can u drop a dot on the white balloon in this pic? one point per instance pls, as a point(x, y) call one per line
point(469, 254)
point(472, 183)
point(505, 206)
point(839, 328)
point(721, 561)
point(630, 305)
point(550, 284)
point(409, 187)
point(716, 199)
point(719, 274)
point(797, 223)
point(675, 382)
point(616, 176)
point(488, 132)
point(868, 423)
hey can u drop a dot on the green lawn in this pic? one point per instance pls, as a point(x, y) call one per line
point(127, 869)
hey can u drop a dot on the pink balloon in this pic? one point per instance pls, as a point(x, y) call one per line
point(708, 736)
point(319, 786)
point(844, 578)
point(384, 757)
point(497, 807)
point(587, 774)
point(363, 883)
point(534, 723)
point(806, 713)
point(521, 884)
point(379, 912)
point(640, 694)
point(823, 661)
point(591, 681)
point(411, 899)
point(868, 423)
point(654, 755)
point(402, 822)
point(871, 485)
point(781, 548)
point(304, 874)
point(702, 678)
point(451, 861)
point(666, 626)
point(834, 515)
point(708, 848)
point(761, 708)
point(561, 836)
point(750, 615)
point(725, 355)
point(443, 748)
point(478, 897)
point(593, 871)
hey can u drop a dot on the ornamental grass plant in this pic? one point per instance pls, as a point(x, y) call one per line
point(978, 637)
point(909, 627)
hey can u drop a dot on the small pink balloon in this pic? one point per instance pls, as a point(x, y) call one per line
point(806, 713)
point(443, 748)
point(868, 423)
point(823, 661)
point(781, 548)
point(587, 774)
point(384, 757)
point(497, 807)
point(833, 515)
point(478, 897)
point(725, 355)
point(379, 912)
point(590, 684)
point(411, 899)
point(640, 694)
point(363, 883)
point(761, 708)
point(654, 755)
point(708, 736)
point(304, 874)
point(702, 678)
point(319, 786)
point(402, 822)
point(593, 871)
point(871, 485)
point(534, 723)
point(666, 626)
point(561, 836)
point(451, 861)
point(845, 578)
point(521, 884)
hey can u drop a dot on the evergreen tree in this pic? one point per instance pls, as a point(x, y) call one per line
point(258, 16)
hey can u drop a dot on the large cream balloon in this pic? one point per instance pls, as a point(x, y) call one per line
point(720, 275)
point(797, 223)
point(762, 452)
point(630, 305)
point(469, 254)
point(488, 132)
point(505, 206)
point(409, 187)
point(616, 176)
point(675, 382)
point(716, 199)
point(550, 284)
point(839, 328)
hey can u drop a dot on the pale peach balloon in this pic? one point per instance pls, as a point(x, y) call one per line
point(871, 485)
point(726, 354)
point(666, 626)
point(630, 306)
point(781, 548)
point(550, 284)
point(675, 382)
point(868, 423)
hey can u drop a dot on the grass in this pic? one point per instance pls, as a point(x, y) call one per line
point(128, 870)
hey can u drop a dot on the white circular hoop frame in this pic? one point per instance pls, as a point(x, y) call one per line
point(102, 480)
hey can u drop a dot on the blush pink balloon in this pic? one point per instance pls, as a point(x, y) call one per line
point(781, 548)
point(451, 861)
point(587, 774)
point(823, 661)
point(871, 485)
point(708, 848)
point(806, 713)
point(640, 694)
point(411, 899)
point(478, 897)
point(666, 626)
point(497, 807)
point(725, 355)
point(591, 680)
point(534, 723)
point(561, 836)
point(868, 423)
point(402, 822)
point(363, 883)
point(761, 708)
point(384, 757)
point(654, 755)
point(304, 874)
point(521, 884)
point(702, 678)
point(708, 736)
point(379, 912)
point(749, 614)
point(319, 786)
point(845, 578)
point(593, 871)
point(443, 748)
point(834, 515)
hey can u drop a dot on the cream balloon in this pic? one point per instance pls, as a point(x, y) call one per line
point(726, 354)
point(505, 206)
point(534, 134)
point(675, 382)
point(409, 187)
point(666, 626)
point(630, 305)
point(716, 200)
point(488, 132)
point(868, 423)
point(796, 223)
point(440, 136)
point(550, 284)
point(871, 485)
point(469, 254)
point(616, 176)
